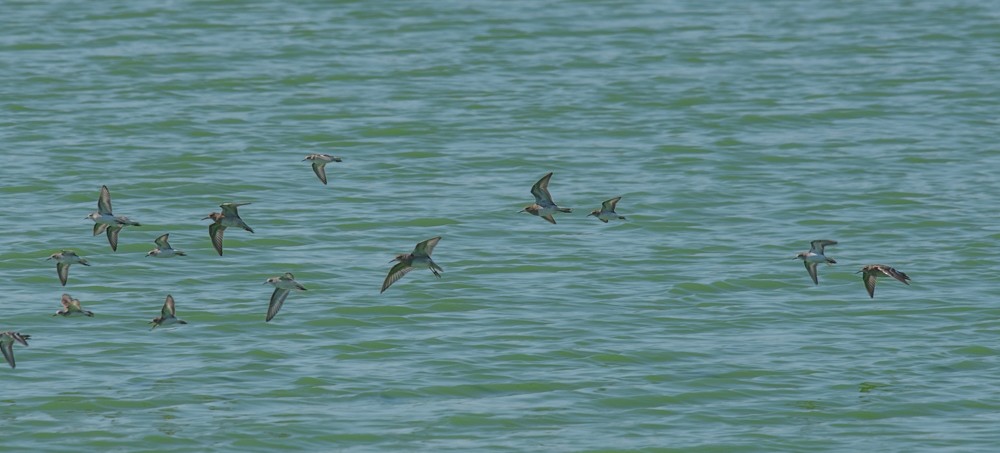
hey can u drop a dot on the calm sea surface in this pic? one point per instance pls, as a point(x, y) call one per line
point(736, 132)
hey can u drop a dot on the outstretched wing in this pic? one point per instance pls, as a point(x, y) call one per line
point(320, 169)
point(63, 270)
point(397, 272)
point(610, 204)
point(104, 201)
point(113, 237)
point(870, 277)
point(895, 274)
point(277, 300)
point(216, 231)
point(168, 309)
point(425, 248)
point(8, 351)
point(541, 191)
point(811, 268)
point(161, 241)
point(819, 245)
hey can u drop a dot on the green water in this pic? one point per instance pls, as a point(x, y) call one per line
point(736, 132)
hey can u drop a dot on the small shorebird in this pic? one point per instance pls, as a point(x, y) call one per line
point(421, 255)
point(167, 315)
point(71, 307)
point(229, 217)
point(607, 211)
point(163, 248)
point(814, 256)
point(63, 260)
point(282, 286)
point(543, 207)
point(872, 272)
point(319, 162)
point(105, 220)
point(7, 340)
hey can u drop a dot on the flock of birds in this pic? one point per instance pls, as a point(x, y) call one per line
point(105, 221)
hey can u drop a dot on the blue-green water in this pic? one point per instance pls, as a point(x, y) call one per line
point(736, 132)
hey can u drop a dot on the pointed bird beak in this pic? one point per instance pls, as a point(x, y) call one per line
point(206, 217)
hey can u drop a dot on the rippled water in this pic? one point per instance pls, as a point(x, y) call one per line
point(736, 132)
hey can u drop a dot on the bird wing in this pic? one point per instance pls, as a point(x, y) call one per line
point(104, 201)
point(551, 219)
point(63, 270)
point(277, 300)
point(168, 309)
point(216, 231)
point(425, 248)
point(161, 241)
point(8, 351)
point(99, 228)
point(819, 245)
point(811, 268)
point(397, 272)
point(541, 190)
point(320, 169)
point(870, 277)
point(229, 209)
point(610, 204)
point(895, 274)
point(113, 237)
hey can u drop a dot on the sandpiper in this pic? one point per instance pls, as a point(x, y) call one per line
point(167, 315)
point(421, 255)
point(105, 220)
point(282, 286)
point(7, 340)
point(543, 207)
point(815, 256)
point(319, 162)
point(71, 307)
point(163, 248)
point(229, 217)
point(607, 211)
point(872, 272)
point(63, 260)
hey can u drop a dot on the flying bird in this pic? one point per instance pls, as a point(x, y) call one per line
point(871, 273)
point(229, 217)
point(63, 260)
point(71, 307)
point(319, 162)
point(105, 220)
point(607, 211)
point(7, 340)
point(421, 255)
point(282, 286)
point(543, 207)
point(168, 315)
point(814, 256)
